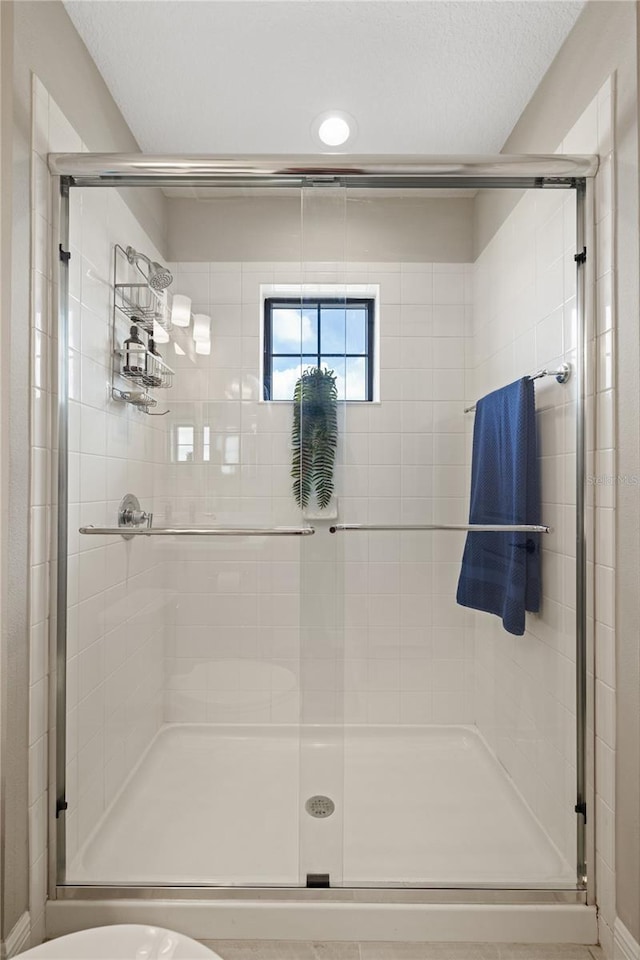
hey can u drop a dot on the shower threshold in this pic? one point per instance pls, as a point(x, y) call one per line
point(224, 805)
point(429, 840)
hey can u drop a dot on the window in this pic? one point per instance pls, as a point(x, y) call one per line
point(332, 333)
point(184, 444)
point(193, 443)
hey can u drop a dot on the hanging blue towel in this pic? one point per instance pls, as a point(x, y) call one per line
point(501, 571)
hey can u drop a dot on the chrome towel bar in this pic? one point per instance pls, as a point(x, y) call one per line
point(128, 531)
point(562, 375)
point(471, 527)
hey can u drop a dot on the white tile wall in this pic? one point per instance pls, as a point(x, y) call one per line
point(525, 699)
point(605, 517)
point(115, 609)
point(116, 597)
point(403, 656)
point(525, 319)
point(42, 460)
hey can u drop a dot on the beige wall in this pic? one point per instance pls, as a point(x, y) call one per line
point(13, 796)
point(5, 217)
point(601, 42)
point(628, 525)
point(604, 42)
point(43, 41)
point(271, 229)
point(48, 44)
point(14, 490)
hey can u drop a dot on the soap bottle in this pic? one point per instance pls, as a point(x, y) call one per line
point(134, 354)
point(152, 368)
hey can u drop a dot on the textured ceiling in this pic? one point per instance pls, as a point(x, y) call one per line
point(229, 76)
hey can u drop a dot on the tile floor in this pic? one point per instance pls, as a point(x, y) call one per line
point(299, 950)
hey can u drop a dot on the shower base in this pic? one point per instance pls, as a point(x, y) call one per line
point(414, 806)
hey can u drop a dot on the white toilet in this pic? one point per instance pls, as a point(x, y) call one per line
point(125, 941)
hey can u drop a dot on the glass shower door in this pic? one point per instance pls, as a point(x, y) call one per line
point(183, 651)
point(459, 738)
point(317, 710)
point(324, 291)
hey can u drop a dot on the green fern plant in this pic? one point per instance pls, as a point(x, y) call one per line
point(314, 436)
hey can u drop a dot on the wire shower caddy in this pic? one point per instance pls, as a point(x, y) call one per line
point(137, 303)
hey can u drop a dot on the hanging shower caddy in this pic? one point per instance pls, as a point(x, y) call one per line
point(135, 302)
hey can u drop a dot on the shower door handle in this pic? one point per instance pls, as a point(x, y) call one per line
point(468, 527)
point(197, 531)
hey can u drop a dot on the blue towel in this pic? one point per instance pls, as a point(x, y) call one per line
point(501, 571)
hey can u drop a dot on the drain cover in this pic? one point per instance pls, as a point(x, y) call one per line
point(320, 806)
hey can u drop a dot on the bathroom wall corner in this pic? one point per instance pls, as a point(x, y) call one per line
point(19, 937)
point(14, 663)
point(625, 946)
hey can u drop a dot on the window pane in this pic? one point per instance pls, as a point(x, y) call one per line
point(356, 331)
point(185, 435)
point(298, 334)
point(294, 329)
point(232, 449)
point(286, 371)
point(337, 364)
point(333, 329)
point(356, 378)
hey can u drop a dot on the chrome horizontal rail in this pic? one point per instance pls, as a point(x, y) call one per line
point(562, 375)
point(127, 531)
point(100, 169)
point(470, 527)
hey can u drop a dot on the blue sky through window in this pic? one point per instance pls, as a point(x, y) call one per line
point(327, 333)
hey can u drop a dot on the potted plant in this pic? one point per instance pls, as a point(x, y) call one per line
point(314, 436)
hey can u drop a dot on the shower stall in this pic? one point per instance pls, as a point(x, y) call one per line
point(257, 699)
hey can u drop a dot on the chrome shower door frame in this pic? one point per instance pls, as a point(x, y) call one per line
point(497, 172)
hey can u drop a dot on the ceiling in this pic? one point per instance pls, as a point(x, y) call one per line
point(240, 76)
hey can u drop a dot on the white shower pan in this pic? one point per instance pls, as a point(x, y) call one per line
point(416, 807)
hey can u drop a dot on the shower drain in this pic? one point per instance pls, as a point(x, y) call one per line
point(320, 806)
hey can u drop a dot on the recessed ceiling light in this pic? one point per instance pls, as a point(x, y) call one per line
point(334, 128)
point(334, 131)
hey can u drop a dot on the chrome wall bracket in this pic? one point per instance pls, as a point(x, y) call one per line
point(563, 373)
point(130, 514)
